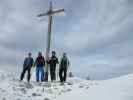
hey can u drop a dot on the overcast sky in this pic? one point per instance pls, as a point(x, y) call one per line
point(96, 34)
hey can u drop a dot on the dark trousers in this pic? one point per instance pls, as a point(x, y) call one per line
point(52, 72)
point(23, 73)
point(63, 74)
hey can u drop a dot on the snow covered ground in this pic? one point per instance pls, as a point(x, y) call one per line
point(115, 89)
point(75, 89)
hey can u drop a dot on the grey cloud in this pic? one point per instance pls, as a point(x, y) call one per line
point(94, 33)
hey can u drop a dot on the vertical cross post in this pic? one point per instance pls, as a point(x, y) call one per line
point(48, 41)
point(49, 13)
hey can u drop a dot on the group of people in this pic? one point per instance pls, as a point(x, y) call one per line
point(40, 63)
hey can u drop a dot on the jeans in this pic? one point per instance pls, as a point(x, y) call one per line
point(39, 72)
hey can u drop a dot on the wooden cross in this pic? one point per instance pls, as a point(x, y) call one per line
point(50, 13)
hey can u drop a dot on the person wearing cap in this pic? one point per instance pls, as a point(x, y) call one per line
point(40, 64)
point(53, 61)
point(64, 64)
point(27, 65)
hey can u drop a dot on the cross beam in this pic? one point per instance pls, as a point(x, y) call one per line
point(51, 12)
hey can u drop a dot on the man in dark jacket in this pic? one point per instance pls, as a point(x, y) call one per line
point(64, 64)
point(28, 63)
point(40, 64)
point(53, 61)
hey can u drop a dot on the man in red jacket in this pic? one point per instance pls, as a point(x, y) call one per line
point(40, 64)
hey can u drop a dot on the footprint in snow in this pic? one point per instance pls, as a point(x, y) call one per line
point(46, 99)
point(46, 85)
point(49, 91)
point(35, 94)
point(26, 85)
point(67, 90)
point(4, 98)
point(23, 90)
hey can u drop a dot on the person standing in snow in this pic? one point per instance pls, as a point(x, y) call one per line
point(53, 61)
point(40, 64)
point(28, 63)
point(64, 64)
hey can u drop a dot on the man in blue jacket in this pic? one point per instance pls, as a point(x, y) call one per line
point(28, 63)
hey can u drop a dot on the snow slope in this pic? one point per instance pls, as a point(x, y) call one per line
point(75, 89)
point(115, 89)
